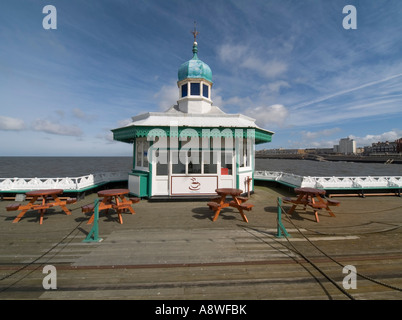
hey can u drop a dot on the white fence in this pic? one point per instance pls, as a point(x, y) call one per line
point(380, 182)
point(91, 180)
point(67, 184)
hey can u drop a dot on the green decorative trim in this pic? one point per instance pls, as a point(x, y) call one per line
point(150, 175)
point(253, 168)
point(136, 172)
point(134, 154)
point(130, 133)
point(237, 165)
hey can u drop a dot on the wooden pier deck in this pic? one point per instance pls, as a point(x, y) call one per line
point(173, 250)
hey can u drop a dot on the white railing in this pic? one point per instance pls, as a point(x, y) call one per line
point(67, 184)
point(83, 182)
point(331, 182)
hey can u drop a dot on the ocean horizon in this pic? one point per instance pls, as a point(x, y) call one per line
point(76, 166)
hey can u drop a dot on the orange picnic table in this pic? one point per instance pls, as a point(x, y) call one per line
point(113, 199)
point(218, 203)
point(49, 199)
point(314, 198)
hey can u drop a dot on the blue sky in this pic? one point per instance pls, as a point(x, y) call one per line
point(289, 64)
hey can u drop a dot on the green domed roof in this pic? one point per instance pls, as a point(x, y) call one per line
point(195, 68)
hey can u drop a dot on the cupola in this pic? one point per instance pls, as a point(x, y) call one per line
point(195, 83)
point(195, 68)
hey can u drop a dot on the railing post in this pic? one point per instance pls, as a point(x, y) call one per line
point(95, 229)
point(280, 227)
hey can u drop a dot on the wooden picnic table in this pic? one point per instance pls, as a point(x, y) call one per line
point(218, 203)
point(314, 198)
point(49, 199)
point(113, 199)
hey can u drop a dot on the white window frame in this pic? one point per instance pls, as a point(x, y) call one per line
point(141, 149)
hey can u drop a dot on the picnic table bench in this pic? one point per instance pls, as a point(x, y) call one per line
point(49, 198)
point(112, 199)
point(218, 203)
point(313, 198)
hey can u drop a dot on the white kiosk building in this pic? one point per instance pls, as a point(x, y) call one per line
point(194, 147)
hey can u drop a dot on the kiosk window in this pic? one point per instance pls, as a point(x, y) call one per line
point(177, 166)
point(245, 161)
point(138, 156)
point(195, 89)
point(162, 166)
point(210, 165)
point(226, 163)
point(205, 91)
point(141, 153)
point(184, 90)
point(194, 162)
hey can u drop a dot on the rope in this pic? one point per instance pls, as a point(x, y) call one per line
point(394, 227)
point(314, 265)
point(40, 257)
point(320, 271)
point(368, 212)
point(332, 259)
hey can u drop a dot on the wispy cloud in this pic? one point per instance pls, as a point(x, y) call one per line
point(79, 114)
point(343, 92)
point(276, 86)
point(325, 138)
point(312, 135)
point(167, 96)
point(13, 124)
point(246, 58)
point(267, 116)
point(56, 128)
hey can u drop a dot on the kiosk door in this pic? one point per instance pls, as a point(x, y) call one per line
point(160, 172)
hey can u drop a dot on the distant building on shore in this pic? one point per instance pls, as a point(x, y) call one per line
point(346, 146)
point(386, 147)
point(320, 150)
point(282, 151)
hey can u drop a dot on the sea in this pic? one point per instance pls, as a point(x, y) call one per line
point(52, 167)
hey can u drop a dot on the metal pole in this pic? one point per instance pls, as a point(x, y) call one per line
point(95, 229)
point(280, 227)
point(279, 219)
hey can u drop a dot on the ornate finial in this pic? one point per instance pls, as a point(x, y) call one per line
point(195, 32)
